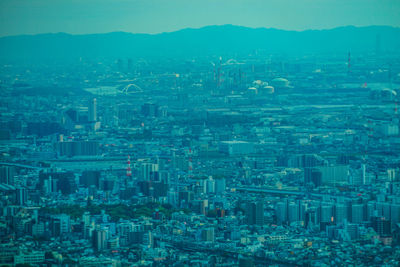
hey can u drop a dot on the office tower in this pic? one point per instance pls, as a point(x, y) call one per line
point(108, 183)
point(140, 235)
point(60, 224)
point(395, 213)
point(87, 225)
point(185, 197)
point(383, 210)
point(58, 181)
point(236, 147)
point(38, 229)
point(370, 210)
point(311, 218)
point(304, 161)
point(147, 171)
point(163, 175)
point(148, 239)
point(99, 237)
point(341, 212)
point(293, 212)
point(255, 213)
point(352, 230)
point(123, 230)
point(303, 206)
point(86, 218)
point(363, 174)
point(207, 234)
point(135, 237)
point(312, 175)
point(332, 175)
point(89, 178)
point(92, 109)
point(7, 174)
point(220, 185)
point(357, 213)
point(78, 148)
point(21, 196)
point(326, 213)
point(210, 186)
point(393, 174)
point(281, 212)
point(381, 225)
point(172, 198)
point(50, 185)
point(308, 175)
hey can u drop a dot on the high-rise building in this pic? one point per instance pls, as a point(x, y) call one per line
point(185, 197)
point(22, 196)
point(172, 197)
point(255, 213)
point(210, 185)
point(99, 239)
point(60, 224)
point(341, 212)
point(89, 178)
point(236, 147)
point(220, 185)
point(147, 171)
point(7, 174)
point(370, 210)
point(148, 239)
point(92, 110)
point(326, 213)
point(207, 234)
point(332, 175)
point(383, 209)
point(395, 213)
point(381, 225)
point(357, 213)
point(303, 207)
point(281, 212)
point(78, 148)
point(293, 212)
point(352, 230)
point(58, 181)
point(311, 218)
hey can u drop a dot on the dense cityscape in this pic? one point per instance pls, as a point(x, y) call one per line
point(248, 161)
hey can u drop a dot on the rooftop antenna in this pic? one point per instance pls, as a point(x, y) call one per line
point(128, 169)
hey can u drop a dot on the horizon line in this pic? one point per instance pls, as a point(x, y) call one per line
point(198, 28)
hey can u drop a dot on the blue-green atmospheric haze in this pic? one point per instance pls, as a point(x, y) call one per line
point(155, 16)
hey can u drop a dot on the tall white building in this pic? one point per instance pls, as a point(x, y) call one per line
point(92, 116)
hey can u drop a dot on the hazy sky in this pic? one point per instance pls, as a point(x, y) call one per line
point(153, 16)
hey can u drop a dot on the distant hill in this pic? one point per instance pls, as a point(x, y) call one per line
point(210, 40)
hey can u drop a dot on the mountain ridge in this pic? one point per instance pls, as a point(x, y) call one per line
point(208, 40)
point(205, 27)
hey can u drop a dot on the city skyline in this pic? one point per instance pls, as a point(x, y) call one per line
point(236, 139)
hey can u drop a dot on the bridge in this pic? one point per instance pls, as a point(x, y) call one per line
point(285, 192)
point(24, 166)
